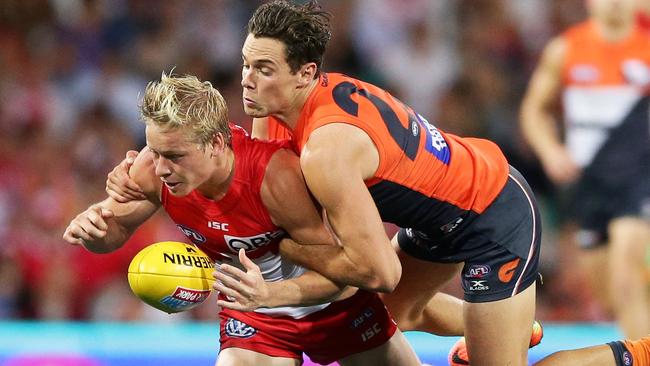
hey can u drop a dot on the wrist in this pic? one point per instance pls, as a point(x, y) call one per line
point(271, 301)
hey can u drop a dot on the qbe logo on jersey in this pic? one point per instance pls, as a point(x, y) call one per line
point(251, 242)
point(239, 329)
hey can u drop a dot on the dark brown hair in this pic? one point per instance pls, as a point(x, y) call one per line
point(304, 30)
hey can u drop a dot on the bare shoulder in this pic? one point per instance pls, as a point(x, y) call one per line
point(144, 174)
point(282, 173)
point(555, 51)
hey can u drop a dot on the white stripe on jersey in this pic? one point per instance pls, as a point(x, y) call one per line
point(275, 268)
point(589, 114)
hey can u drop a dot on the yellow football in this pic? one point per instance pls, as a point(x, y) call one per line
point(171, 276)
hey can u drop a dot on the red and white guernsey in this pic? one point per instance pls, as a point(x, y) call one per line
point(239, 219)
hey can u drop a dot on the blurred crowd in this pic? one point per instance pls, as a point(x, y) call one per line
point(72, 71)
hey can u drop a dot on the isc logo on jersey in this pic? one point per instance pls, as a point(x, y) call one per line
point(251, 242)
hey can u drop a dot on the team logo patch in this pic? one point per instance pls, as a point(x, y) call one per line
point(239, 329)
point(448, 228)
point(368, 313)
point(477, 271)
point(627, 359)
point(508, 270)
point(584, 73)
point(195, 236)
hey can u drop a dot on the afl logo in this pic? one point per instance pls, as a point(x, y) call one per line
point(195, 236)
point(477, 271)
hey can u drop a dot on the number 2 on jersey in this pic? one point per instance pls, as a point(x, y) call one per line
point(407, 138)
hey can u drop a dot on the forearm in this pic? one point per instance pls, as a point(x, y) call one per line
point(116, 235)
point(108, 244)
point(333, 262)
point(311, 288)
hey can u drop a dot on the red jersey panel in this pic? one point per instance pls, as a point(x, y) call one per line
point(239, 219)
point(426, 178)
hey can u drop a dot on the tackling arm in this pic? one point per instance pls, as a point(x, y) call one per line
point(290, 206)
point(335, 168)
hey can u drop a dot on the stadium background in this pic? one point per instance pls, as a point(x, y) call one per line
point(71, 72)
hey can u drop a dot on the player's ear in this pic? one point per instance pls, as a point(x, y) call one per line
point(218, 143)
point(306, 74)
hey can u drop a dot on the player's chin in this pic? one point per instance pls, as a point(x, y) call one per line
point(255, 112)
point(178, 189)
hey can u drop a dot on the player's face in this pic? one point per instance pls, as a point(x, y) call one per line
point(181, 164)
point(269, 86)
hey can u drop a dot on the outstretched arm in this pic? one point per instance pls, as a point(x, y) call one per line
point(107, 225)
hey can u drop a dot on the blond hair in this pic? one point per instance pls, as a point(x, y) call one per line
point(186, 102)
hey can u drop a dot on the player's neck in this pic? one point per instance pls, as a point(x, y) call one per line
point(614, 32)
point(292, 115)
point(217, 186)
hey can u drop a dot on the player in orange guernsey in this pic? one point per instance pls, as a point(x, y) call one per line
point(601, 70)
point(368, 158)
point(201, 170)
point(621, 353)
